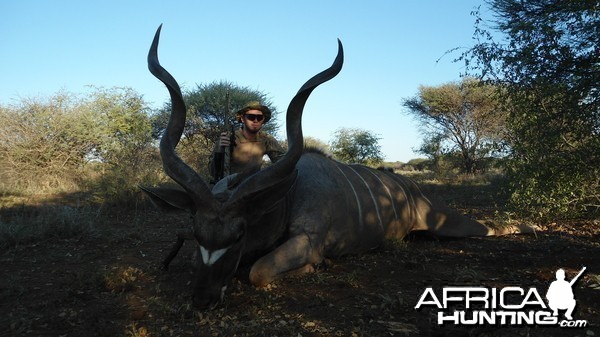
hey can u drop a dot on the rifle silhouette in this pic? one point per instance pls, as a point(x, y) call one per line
point(221, 160)
point(576, 277)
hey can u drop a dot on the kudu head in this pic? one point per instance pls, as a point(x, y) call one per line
point(219, 227)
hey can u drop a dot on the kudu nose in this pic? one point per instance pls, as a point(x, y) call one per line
point(208, 300)
point(205, 303)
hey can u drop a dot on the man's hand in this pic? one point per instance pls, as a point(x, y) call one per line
point(223, 141)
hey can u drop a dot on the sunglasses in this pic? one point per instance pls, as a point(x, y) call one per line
point(254, 118)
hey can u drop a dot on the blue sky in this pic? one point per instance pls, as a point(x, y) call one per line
point(391, 47)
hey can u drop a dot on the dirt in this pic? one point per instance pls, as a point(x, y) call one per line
point(112, 285)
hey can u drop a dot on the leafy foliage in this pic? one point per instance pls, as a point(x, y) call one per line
point(548, 68)
point(65, 143)
point(212, 106)
point(43, 142)
point(459, 118)
point(356, 146)
point(125, 143)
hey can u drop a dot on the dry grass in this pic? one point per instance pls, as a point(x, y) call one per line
point(20, 225)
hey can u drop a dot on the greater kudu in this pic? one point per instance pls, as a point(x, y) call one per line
point(290, 215)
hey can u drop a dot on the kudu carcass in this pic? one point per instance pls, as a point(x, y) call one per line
point(294, 213)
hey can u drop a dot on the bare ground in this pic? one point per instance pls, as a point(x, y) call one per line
point(112, 285)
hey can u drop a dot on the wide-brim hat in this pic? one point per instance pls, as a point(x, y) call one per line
point(254, 106)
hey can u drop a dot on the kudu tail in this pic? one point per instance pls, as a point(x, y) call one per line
point(426, 213)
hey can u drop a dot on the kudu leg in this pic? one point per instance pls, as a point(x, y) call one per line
point(181, 237)
point(295, 255)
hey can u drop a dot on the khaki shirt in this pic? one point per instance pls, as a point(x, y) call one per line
point(247, 153)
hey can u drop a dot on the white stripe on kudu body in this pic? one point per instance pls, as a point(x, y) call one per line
point(399, 181)
point(389, 193)
point(372, 196)
point(358, 205)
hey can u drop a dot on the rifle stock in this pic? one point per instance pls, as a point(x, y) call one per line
point(219, 159)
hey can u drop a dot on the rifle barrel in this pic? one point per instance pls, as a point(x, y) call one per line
point(576, 277)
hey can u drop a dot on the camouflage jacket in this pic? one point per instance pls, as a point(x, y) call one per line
point(247, 153)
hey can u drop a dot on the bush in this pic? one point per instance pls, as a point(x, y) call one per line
point(547, 67)
point(101, 144)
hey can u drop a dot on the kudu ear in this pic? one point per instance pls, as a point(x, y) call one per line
point(169, 199)
point(263, 200)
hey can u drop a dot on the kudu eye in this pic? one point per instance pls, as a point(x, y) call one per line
point(240, 229)
point(240, 235)
point(237, 229)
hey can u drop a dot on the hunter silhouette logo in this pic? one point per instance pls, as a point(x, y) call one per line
point(512, 305)
point(560, 294)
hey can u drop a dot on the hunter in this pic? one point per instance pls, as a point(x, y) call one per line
point(250, 143)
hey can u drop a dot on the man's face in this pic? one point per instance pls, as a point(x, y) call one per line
point(253, 120)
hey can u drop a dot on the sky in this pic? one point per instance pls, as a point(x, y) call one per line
point(391, 47)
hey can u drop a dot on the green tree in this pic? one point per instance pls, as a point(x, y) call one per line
point(433, 149)
point(210, 106)
point(356, 146)
point(124, 142)
point(461, 118)
point(548, 66)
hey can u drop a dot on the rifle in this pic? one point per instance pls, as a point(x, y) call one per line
point(223, 157)
point(576, 277)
